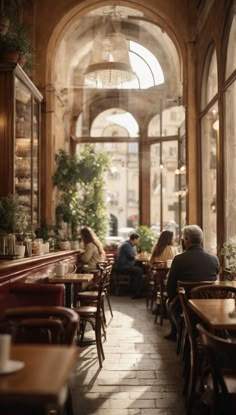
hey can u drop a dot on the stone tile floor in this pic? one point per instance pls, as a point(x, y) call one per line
point(141, 375)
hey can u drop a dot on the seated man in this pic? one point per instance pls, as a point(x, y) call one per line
point(126, 264)
point(194, 264)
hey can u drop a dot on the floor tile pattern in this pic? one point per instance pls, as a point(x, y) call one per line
point(141, 375)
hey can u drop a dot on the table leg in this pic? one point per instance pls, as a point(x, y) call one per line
point(68, 298)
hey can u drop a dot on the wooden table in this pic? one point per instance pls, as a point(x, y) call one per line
point(69, 280)
point(42, 381)
point(215, 312)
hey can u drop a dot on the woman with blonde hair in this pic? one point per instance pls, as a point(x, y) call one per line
point(93, 249)
point(163, 250)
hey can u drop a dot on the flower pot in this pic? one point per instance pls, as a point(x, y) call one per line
point(64, 245)
point(10, 56)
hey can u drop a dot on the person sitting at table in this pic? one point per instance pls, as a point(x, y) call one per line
point(163, 250)
point(126, 264)
point(194, 264)
point(93, 249)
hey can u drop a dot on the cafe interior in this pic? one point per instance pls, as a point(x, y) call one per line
point(147, 91)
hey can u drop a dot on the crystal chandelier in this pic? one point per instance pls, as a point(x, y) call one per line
point(109, 65)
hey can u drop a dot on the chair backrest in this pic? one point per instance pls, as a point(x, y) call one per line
point(189, 317)
point(105, 269)
point(220, 355)
point(110, 258)
point(42, 324)
point(213, 291)
point(190, 285)
point(158, 271)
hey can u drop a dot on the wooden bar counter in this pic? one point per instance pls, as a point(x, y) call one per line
point(35, 266)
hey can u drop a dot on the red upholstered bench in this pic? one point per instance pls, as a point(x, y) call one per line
point(21, 294)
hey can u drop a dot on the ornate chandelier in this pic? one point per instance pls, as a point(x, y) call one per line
point(109, 65)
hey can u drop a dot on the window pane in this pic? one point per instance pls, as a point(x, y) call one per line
point(210, 131)
point(164, 191)
point(231, 51)
point(169, 186)
point(155, 187)
point(122, 184)
point(230, 157)
point(209, 84)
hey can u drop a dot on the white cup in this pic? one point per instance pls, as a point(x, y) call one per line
point(46, 248)
point(62, 268)
point(20, 250)
point(5, 345)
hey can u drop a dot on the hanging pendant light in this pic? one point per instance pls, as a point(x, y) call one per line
point(109, 65)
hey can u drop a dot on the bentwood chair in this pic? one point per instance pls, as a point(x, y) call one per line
point(93, 314)
point(193, 358)
point(215, 291)
point(156, 288)
point(46, 324)
point(188, 286)
point(90, 296)
point(220, 386)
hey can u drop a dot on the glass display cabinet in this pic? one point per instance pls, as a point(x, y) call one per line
point(20, 121)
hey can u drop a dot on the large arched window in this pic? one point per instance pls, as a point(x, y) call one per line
point(115, 116)
point(230, 133)
point(209, 139)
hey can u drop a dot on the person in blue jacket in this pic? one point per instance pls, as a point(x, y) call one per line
point(126, 264)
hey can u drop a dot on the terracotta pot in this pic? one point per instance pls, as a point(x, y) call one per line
point(10, 56)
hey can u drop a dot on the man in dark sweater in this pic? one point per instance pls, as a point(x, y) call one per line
point(126, 264)
point(194, 264)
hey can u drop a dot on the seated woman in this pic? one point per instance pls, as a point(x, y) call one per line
point(163, 250)
point(93, 249)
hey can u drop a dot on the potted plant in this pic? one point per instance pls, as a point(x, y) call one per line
point(229, 252)
point(146, 238)
point(16, 46)
point(12, 217)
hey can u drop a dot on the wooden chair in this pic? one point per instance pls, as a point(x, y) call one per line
point(194, 356)
point(156, 288)
point(213, 291)
point(93, 314)
point(181, 329)
point(220, 354)
point(46, 324)
point(90, 296)
point(120, 279)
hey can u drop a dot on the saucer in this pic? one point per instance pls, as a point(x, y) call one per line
point(12, 366)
